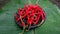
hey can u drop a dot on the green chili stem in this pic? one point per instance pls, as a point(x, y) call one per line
point(37, 1)
point(23, 27)
point(28, 28)
point(33, 31)
point(29, 1)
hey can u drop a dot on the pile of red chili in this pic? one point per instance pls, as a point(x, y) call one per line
point(29, 15)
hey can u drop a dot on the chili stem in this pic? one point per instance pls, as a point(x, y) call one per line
point(33, 31)
point(37, 1)
point(23, 27)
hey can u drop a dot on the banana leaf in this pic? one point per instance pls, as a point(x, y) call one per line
point(51, 25)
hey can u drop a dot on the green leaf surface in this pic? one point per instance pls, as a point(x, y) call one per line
point(51, 25)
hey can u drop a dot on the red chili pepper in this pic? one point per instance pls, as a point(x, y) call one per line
point(32, 13)
point(22, 24)
point(17, 19)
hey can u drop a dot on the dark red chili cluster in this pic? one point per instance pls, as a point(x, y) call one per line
point(31, 13)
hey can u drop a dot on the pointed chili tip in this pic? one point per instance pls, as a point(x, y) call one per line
point(22, 24)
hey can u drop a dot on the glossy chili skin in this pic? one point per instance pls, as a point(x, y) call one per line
point(31, 13)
